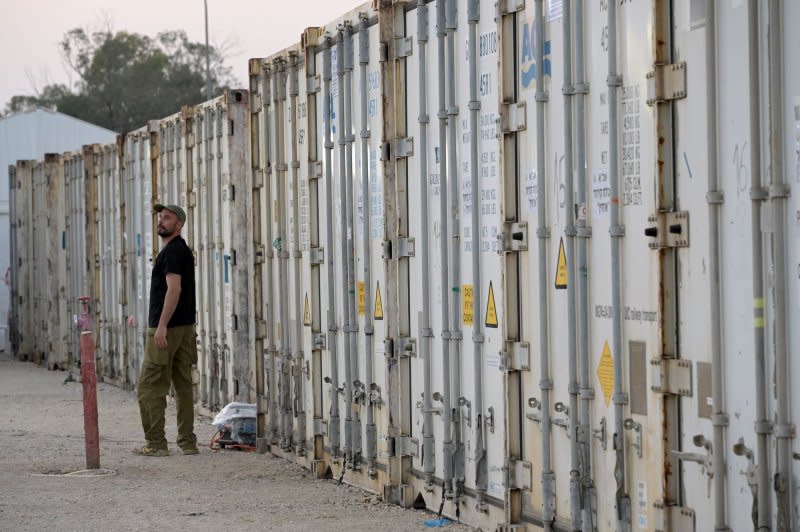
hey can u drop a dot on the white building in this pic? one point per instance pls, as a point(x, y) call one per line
point(30, 135)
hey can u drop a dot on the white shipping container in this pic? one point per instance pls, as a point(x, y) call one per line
point(220, 199)
point(23, 328)
point(111, 327)
point(533, 264)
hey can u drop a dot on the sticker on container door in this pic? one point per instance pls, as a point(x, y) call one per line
point(641, 492)
point(362, 302)
point(306, 313)
point(466, 304)
point(601, 193)
point(605, 373)
point(378, 303)
point(491, 309)
point(561, 267)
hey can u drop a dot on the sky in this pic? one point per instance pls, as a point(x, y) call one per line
point(30, 31)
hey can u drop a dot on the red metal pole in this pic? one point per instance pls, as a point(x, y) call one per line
point(89, 380)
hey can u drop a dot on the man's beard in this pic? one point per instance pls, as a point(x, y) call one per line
point(162, 231)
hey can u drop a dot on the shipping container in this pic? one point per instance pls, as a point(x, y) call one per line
point(218, 137)
point(75, 241)
point(529, 264)
point(111, 327)
point(22, 325)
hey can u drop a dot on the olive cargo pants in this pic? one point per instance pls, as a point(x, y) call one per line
point(159, 368)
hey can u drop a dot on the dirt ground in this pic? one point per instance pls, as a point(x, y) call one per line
point(41, 441)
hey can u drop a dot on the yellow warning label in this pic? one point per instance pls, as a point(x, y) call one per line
point(605, 373)
point(491, 309)
point(362, 301)
point(466, 304)
point(306, 313)
point(378, 303)
point(561, 267)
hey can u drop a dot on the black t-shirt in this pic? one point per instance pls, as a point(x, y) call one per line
point(176, 257)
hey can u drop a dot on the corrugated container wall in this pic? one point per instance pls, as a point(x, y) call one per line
point(531, 264)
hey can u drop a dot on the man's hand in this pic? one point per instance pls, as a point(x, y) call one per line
point(160, 337)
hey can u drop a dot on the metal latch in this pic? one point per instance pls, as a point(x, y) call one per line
point(312, 84)
point(673, 518)
point(406, 446)
point(403, 47)
point(259, 255)
point(399, 247)
point(520, 475)
point(671, 230)
point(666, 82)
point(403, 247)
point(263, 404)
point(516, 357)
point(514, 116)
point(318, 341)
point(315, 170)
point(515, 236)
point(403, 147)
point(320, 427)
point(406, 346)
point(258, 179)
point(509, 7)
point(316, 255)
point(255, 103)
point(671, 376)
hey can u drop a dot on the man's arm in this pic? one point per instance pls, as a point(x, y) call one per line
point(170, 303)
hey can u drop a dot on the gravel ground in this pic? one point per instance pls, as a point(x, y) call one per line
point(41, 437)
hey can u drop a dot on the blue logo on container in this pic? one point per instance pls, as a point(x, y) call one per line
point(527, 59)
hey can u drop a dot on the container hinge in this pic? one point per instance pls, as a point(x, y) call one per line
point(673, 518)
point(312, 84)
point(403, 147)
point(406, 446)
point(316, 256)
point(263, 403)
point(258, 179)
point(320, 427)
point(406, 346)
point(514, 117)
point(509, 7)
point(399, 247)
point(520, 475)
point(666, 83)
point(315, 170)
point(404, 247)
point(671, 230)
point(671, 376)
point(516, 357)
point(255, 103)
point(318, 341)
point(403, 47)
point(515, 236)
point(259, 255)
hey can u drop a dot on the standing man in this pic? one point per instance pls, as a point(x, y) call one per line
point(171, 348)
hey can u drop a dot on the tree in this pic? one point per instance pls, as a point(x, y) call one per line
point(126, 79)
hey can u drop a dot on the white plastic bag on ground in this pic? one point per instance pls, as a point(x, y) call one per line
point(236, 424)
